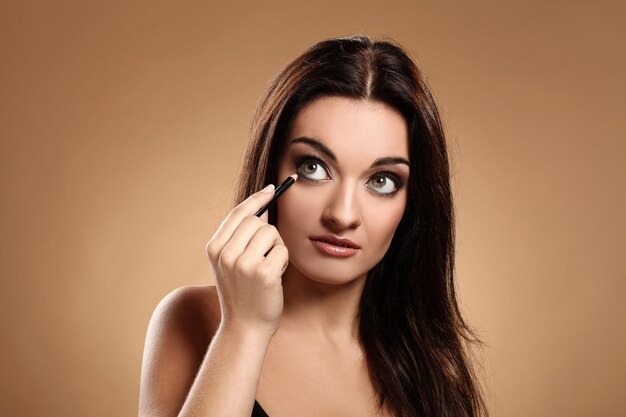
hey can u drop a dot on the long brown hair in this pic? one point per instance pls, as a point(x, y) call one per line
point(415, 339)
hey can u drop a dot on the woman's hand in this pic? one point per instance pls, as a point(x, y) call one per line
point(248, 258)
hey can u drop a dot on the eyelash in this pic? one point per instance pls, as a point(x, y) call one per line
point(300, 160)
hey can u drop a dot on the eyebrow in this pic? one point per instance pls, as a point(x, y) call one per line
point(387, 160)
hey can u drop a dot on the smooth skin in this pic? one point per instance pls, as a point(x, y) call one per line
point(282, 328)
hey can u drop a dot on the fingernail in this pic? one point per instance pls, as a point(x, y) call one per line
point(268, 189)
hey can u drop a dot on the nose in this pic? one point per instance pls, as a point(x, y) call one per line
point(342, 209)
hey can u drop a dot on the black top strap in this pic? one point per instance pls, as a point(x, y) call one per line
point(258, 411)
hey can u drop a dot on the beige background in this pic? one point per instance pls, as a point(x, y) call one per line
point(122, 126)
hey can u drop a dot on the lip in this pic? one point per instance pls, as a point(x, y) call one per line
point(334, 246)
point(336, 240)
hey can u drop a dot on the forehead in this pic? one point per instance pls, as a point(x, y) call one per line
point(363, 129)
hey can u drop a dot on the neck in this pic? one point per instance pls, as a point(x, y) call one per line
point(325, 310)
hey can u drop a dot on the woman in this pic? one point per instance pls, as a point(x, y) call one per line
point(340, 300)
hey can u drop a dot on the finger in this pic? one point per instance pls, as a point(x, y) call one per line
point(246, 208)
point(278, 258)
point(265, 216)
point(262, 242)
point(240, 239)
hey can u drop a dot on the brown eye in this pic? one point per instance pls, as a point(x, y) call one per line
point(309, 168)
point(379, 182)
point(312, 169)
point(382, 184)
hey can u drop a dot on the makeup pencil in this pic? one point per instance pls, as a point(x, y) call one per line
point(281, 189)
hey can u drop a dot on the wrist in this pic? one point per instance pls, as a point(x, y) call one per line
point(245, 333)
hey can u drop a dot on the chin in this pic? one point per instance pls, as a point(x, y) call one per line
point(330, 275)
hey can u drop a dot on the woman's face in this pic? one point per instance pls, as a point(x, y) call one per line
point(351, 157)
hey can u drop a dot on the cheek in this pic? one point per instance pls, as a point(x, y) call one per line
point(382, 221)
point(295, 209)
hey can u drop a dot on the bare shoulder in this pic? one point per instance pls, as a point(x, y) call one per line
point(194, 307)
point(178, 336)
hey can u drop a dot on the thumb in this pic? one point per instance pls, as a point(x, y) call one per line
point(268, 195)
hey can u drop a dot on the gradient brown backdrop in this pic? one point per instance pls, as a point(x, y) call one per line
point(122, 127)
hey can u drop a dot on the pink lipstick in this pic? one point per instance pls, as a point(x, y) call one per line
point(334, 245)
